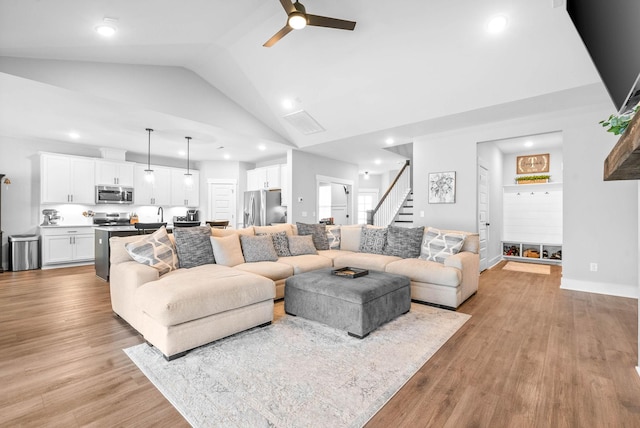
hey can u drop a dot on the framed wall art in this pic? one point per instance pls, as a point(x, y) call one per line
point(442, 187)
point(530, 164)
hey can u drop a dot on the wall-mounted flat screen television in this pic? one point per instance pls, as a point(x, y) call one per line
point(610, 29)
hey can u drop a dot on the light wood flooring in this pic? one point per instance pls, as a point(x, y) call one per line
point(531, 355)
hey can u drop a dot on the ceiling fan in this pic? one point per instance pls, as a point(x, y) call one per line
point(298, 18)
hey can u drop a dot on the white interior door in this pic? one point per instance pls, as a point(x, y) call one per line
point(483, 214)
point(222, 202)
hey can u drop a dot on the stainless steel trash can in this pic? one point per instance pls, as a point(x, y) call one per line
point(24, 252)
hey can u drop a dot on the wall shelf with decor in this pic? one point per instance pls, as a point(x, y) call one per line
point(532, 252)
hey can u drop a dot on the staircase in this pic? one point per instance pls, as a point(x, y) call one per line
point(396, 205)
point(405, 215)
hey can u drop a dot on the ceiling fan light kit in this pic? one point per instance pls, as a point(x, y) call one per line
point(298, 18)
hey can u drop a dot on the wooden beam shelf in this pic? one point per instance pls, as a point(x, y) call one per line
point(623, 162)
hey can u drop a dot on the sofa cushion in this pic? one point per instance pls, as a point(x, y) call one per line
point(301, 244)
point(372, 240)
point(272, 270)
point(306, 262)
point(227, 232)
point(317, 231)
point(364, 261)
point(280, 243)
point(425, 271)
point(438, 245)
point(191, 294)
point(404, 241)
point(193, 245)
point(155, 250)
point(227, 250)
point(332, 254)
point(258, 248)
point(350, 237)
point(268, 230)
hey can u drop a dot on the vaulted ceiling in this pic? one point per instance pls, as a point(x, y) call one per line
point(407, 69)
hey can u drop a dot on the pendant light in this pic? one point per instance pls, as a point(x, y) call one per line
point(149, 172)
point(188, 177)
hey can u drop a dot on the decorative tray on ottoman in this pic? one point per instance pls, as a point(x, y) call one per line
point(350, 272)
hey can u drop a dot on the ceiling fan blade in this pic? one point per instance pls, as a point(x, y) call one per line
point(288, 6)
point(276, 37)
point(324, 21)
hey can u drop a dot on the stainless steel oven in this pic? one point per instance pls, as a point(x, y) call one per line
point(114, 195)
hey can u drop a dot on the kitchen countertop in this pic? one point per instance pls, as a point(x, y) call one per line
point(54, 226)
point(123, 228)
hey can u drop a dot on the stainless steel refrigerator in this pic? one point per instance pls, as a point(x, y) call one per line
point(263, 207)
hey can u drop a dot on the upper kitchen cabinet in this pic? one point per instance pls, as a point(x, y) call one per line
point(183, 193)
point(110, 173)
point(267, 177)
point(152, 192)
point(66, 179)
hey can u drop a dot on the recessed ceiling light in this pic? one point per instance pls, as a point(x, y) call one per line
point(389, 141)
point(287, 104)
point(262, 147)
point(528, 144)
point(182, 153)
point(497, 24)
point(377, 161)
point(108, 27)
point(74, 135)
point(227, 156)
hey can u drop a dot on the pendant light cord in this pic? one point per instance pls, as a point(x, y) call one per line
point(149, 130)
point(188, 159)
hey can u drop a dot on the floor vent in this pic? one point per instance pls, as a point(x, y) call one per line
point(304, 123)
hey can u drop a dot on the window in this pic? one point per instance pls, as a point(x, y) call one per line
point(367, 200)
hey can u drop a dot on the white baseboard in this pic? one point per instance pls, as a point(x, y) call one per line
point(494, 261)
point(619, 290)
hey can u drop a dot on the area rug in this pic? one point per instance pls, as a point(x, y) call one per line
point(297, 372)
point(528, 268)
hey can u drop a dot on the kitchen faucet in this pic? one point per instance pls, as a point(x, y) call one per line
point(161, 214)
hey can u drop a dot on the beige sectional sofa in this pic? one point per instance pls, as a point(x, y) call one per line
point(187, 308)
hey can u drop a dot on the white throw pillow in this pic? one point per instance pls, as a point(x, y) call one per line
point(350, 237)
point(155, 250)
point(438, 245)
point(227, 250)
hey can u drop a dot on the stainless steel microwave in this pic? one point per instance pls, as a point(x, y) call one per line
point(114, 195)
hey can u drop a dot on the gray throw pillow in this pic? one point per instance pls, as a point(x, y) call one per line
point(299, 245)
point(317, 231)
point(373, 240)
point(404, 242)
point(280, 243)
point(155, 250)
point(194, 246)
point(258, 249)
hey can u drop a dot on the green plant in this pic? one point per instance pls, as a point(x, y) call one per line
point(533, 177)
point(618, 123)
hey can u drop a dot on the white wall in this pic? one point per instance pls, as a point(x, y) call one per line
point(600, 218)
point(304, 169)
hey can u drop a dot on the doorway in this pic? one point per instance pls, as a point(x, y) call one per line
point(222, 200)
point(335, 199)
point(483, 215)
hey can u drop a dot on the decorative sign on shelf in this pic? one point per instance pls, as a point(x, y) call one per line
point(532, 163)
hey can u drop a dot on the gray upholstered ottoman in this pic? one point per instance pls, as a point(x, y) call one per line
point(357, 305)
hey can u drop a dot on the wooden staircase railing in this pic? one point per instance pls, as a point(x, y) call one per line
point(393, 199)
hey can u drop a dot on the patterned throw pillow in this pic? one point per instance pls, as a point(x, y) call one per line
point(333, 237)
point(438, 245)
point(319, 233)
point(258, 249)
point(404, 242)
point(301, 244)
point(155, 250)
point(280, 243)
point(372, 240)
point(194, 246)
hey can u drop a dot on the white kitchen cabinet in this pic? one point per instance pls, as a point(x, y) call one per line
point(67, 179)
point(110, 173)
point(268, 177)
point(155, 192)
point(67, 245)
point(185, 194)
